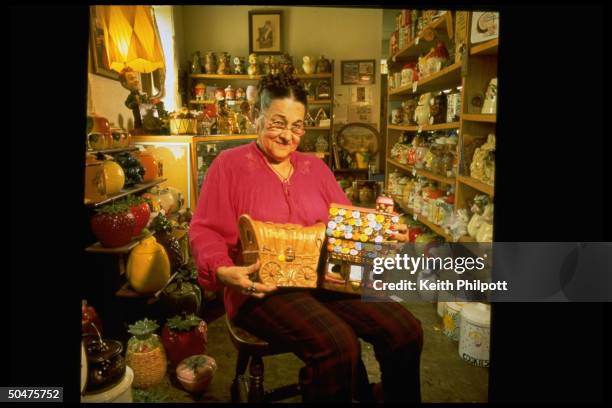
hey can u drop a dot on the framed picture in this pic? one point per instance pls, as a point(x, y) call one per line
point(485, 26)
point(265, 30)
point(358, 72)
point(99, 59)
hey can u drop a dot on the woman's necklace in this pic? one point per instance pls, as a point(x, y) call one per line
point(284, 180)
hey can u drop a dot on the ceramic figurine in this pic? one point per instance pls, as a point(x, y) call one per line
point(251, 94)
point(437, 110)
point(323, 90)
point(200, 91)
point(308, 87)
point(253, 66)
point(145, 354)
point(240, 93)
point(210, 63)
point(196, 67)
point(223, 67)
point(321, 115)
point(238, 66)
point(437, 57)
point(286, 64)
point(307, 65)
point(490, 103)
point(483, 162)
point(323, 65)
point(267, 67)
point(421, 113)
point(308, 120)
point(396, 116)
point(322, 144)
point(196, 372)
point(230, 93)
point(408, 108)
point(183, 336)
point(274, 66)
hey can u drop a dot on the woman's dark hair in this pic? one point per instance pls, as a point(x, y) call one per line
point(279, 86)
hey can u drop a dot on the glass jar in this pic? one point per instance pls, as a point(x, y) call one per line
point(421, 152)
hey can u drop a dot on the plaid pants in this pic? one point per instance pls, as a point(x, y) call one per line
point(323, 327)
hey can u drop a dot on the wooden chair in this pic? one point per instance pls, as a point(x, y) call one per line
point(251, 351)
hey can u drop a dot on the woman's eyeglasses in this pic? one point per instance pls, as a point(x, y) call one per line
point(278, 126)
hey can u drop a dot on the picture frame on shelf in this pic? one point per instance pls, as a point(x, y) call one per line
point(485, 26)
point(97, 48)
point(265, 31)
point(358, 72)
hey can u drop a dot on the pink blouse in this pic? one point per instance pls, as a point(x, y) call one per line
point(240, 182)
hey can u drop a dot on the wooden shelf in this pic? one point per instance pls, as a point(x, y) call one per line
point(317, 127)
point(97, 248)
point(418, 45)
point(422, 172)
point(425, 128)
point(355, 170)
point(319, 101)
point(126, 291)
point(228, 76)
point(486, 48)
point(314, 76)
point(320, 155)
point(478, 117)
point(114, 150)
point(137, 188)
point(223, 138)
point(435, 228)
point(449, 77)
point(478, 185)
point(256, 77)
point(202, 102)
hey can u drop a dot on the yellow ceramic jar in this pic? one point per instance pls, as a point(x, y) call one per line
point(148, 267)
point(114, 177)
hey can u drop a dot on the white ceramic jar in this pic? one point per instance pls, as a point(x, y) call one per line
point(452, 319)
point(475, 334)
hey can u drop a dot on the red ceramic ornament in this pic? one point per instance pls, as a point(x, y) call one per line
point(141, 213)
point(113, 226)
point(184, 336)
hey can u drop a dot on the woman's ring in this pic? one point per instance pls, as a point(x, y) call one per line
point(252, 287)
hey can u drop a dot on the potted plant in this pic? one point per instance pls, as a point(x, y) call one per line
point(113, 225)
point(145, 354)
point(184, 336)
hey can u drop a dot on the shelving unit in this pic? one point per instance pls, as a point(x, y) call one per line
point(480, 117)
point(471, 74)
point(132, 190)
point(113, 150)
point(240, 80)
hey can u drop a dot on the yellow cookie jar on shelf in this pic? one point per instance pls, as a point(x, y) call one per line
point(114, 177)
point(95, 187)
point(148, 267)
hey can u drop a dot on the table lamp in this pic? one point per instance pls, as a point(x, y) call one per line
point(133, 47)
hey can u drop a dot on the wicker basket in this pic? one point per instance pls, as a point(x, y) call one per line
point(149, 368)
point(183, 126)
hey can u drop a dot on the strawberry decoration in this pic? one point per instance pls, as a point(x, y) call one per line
point(141, 211)
point(184, 336)
point(113, 225)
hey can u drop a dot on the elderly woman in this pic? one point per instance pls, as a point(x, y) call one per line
point(271, 181)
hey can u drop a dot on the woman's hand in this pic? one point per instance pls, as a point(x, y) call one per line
point(238, 277)
point(401, 233)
